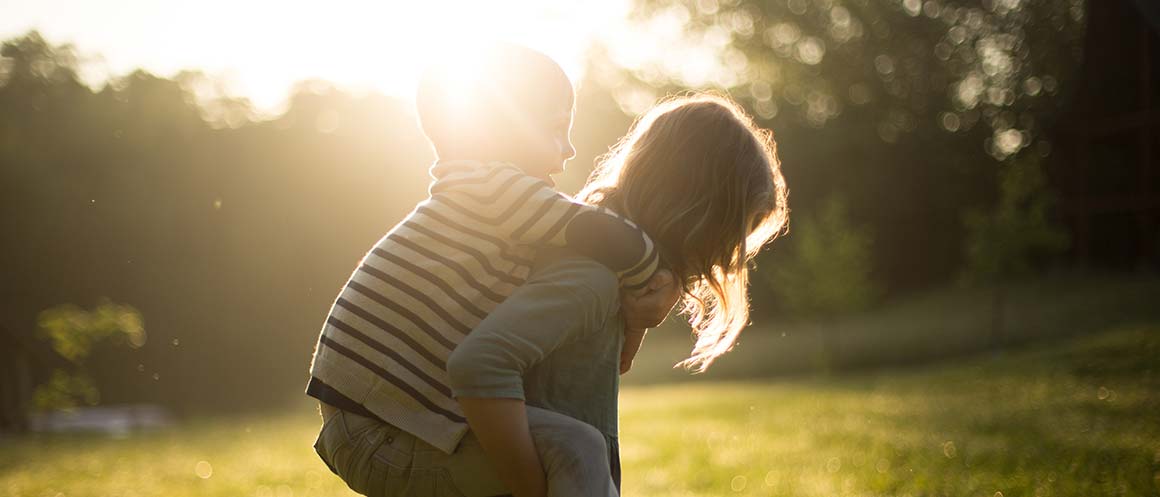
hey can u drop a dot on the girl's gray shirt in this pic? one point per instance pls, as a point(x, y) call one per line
point(555, 343)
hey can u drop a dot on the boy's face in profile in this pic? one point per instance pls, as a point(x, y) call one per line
point(510, 104)
point(550, 145)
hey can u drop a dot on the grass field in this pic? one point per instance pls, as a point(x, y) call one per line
point(1082, 419)
point(1076, 419)
point(924, 328)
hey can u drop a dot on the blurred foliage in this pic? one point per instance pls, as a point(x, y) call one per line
point(73, 333)
point(904, 107)
point(827, 267)
point(234, 234)
point(913, 65)
point(1003, 240)
point(65, 390)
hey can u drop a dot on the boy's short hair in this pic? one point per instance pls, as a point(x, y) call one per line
point(489, 95)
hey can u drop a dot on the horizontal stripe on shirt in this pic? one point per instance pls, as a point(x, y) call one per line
point(423, 286)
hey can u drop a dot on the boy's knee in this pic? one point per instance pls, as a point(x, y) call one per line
point(590, 440)
point(574, 445)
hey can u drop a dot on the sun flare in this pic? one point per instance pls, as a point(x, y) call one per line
point(260, 49)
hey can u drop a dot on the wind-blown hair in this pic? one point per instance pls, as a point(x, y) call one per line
point(705, 183)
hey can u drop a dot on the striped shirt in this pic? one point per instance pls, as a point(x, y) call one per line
point(434, 276)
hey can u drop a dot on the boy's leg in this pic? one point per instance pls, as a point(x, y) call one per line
point(574, 455)
point(467, 472)
point(380, 460)
point(348, 443)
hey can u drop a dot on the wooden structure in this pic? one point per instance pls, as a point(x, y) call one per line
point(1107, 145)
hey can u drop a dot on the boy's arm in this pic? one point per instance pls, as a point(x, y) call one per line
point(616, 243)
point(527, 211)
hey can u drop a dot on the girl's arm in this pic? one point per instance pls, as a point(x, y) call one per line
point(644, 309)
point(501, 425)
point(632, 342)
point(570, 298)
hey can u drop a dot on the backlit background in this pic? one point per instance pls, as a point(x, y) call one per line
point(966, 302)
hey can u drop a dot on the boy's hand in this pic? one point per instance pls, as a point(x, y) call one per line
point(649, 306)
point(632, 341)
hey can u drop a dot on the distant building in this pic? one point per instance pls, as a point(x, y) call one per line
point(1106, 158)
point(116, 421)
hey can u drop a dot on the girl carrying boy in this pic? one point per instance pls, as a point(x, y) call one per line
point(477, 348)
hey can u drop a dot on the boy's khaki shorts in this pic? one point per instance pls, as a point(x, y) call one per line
point(380, 460)
point(377, 459)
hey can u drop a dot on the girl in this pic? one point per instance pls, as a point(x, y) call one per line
point(703, 181)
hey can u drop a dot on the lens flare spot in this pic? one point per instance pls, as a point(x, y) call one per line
point(950, 121)
point(738, 483)
point(913, 7)
point(834, 465)
point(771, 479)
point(203, 470)
point(882, 466)
point(811, 50)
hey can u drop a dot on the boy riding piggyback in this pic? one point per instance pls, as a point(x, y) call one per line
point(499, 133)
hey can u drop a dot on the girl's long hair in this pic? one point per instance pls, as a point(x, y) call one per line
point(704, 182)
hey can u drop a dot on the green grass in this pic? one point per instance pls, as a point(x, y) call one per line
point(924, 328)
point(1079, 419)
point(1073, 419)
point(260, 456)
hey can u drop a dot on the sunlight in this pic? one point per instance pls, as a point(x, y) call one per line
point(383, 46)
point(260, 49)
point(460, 68)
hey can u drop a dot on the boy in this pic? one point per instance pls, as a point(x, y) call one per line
point(498, 135)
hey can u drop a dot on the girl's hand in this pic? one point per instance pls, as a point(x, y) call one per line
point(643, 309)
point(649, 306)
point(632, 341)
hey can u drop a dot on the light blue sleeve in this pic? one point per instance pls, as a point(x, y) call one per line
point(569, 298)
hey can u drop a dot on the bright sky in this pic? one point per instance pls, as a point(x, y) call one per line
point(262, 47)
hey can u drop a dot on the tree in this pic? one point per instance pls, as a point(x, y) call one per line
point(947, 65)
point(1003, 241)
point(828, 270)
point(904, 107)
point(73, 333)
point(229, 233)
